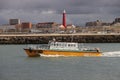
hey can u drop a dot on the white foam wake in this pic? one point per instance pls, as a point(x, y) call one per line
point(111, 54)
point(51, 55)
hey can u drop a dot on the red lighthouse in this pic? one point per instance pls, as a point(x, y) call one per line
point(64, 19)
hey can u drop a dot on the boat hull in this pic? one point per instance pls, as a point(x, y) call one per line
point(71, 53)
point(35, 53)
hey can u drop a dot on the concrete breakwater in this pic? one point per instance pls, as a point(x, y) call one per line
point(44, 38)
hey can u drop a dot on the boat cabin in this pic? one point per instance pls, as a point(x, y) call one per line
point(63, 46)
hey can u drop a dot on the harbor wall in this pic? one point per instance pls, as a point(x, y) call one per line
point(45, 38)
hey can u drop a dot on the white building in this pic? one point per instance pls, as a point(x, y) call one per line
point(8, 28)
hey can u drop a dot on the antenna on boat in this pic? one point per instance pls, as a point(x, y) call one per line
point(54, 40)
point(71, 37)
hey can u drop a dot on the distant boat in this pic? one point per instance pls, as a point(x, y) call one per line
point(54, 48)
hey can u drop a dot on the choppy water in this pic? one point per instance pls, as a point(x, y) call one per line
point(15, 65)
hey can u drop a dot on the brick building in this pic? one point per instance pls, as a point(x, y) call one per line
point(26, 25)
point(47, 27)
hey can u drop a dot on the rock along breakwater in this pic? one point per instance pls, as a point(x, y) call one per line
point(45, 38)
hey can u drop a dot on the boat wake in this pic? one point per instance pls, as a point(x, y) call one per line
point(111, 54)
point(51, 55)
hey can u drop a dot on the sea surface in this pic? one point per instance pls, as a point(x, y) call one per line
point(15, 65)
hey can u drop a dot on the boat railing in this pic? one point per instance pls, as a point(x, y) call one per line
point(43, 46)
point(40, 46)
point(82, 47)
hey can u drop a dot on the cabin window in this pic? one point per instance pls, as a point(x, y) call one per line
point(73, 45)
point(54, 44)
point(58, 44)
point(64, 45)
point(68, 45)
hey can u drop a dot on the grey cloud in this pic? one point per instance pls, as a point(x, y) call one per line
point(77, 9)
point(93, 6)
point(73, 6)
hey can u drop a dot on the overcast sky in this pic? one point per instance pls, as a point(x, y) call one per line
point(78, 11)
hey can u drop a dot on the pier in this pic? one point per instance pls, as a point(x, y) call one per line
point(45, 38)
